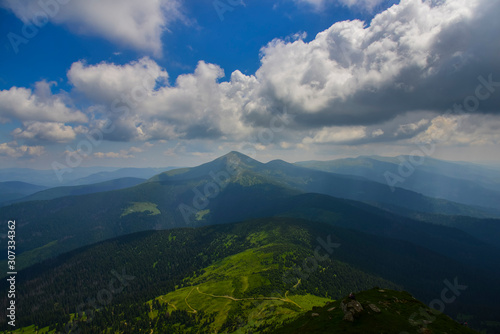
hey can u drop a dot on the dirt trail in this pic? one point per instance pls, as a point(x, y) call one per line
point(185, 300)
point(286, 299)
point(162, 298)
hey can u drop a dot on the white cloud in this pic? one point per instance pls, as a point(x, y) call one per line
point(462, 130)
point(197, 106)
point(363, 4)
point(337, 135)
point(353, 83)
point(441, 130)
point(411, 128)
point(47, 131)
point(104, 83)
point(134, 149)
point(350, 76)
point(39, 105)
point(122, 154)
point(14, 150)
point(360, 4)
point(286, 145)
point(135, 24)
point(350, 67)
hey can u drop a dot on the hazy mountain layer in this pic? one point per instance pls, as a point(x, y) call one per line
point(231, 188)
point(462, 183)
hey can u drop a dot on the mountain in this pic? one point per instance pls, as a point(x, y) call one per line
point(75, 176)
point(48, 178)
point(487, 230)
point(301, 179)
point(12, 190)
point(57, 192)
point(448, 241)
point(138, 173)
point(458, 182)
point(374, 311)
point(252, 276)
point(234, 188)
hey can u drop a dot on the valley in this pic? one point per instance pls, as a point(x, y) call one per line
point(259, 252)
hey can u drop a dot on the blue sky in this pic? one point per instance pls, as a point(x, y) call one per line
point(233, 42)
point(289, 79)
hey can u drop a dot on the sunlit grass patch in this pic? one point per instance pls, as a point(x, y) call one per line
point(141, 207)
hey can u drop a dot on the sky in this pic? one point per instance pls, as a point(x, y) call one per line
point(157, 83)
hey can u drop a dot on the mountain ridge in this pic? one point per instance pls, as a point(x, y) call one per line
point(196, 196)
point(203, 263)
point(56, 192)
point(467, 184)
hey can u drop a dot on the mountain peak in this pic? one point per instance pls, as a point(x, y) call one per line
point(239, 159)
point(277, 162)
point(232, 161)
point(236, 154)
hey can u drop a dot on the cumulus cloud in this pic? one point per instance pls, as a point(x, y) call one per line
point(337, 135)
point(411, 128)
point(39, 105)
point(135, 24)
point(104, 83)
point(413, 56)
point(462, 130)
point(122, 154)
point(14, 150)
point(141, 106)
point(353, 83)
point(47, 131)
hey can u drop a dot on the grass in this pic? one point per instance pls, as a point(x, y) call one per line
point(225, 288)
point(309, 301)
point(397, 311)
point(141, 207)
point(200, 214)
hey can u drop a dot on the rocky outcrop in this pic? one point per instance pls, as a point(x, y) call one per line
point(352, 309)
point(374, 308)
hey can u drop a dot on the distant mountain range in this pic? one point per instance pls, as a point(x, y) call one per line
point(231, 188)
point(14, 190)
point(19, 184)
point(458, 182)
point(57, 192)
point(394, 238)
point(75, 176)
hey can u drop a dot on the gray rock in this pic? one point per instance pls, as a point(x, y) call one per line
point(351, 309)
point(374, 308)
point(349, 317)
